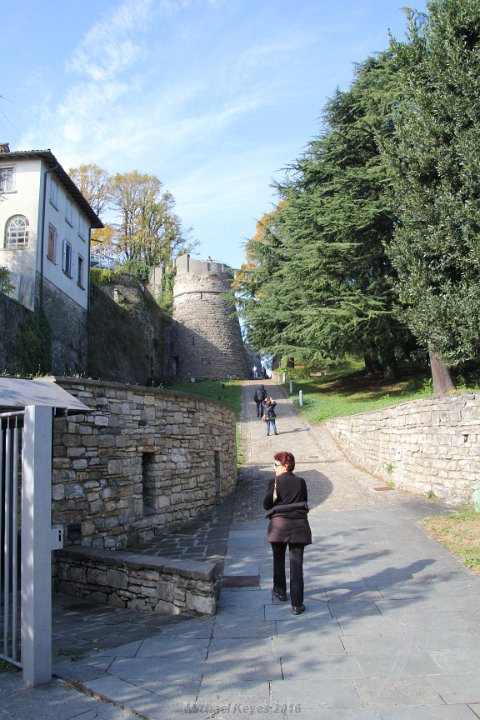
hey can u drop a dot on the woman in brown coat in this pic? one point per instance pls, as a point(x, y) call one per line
point(286, 501)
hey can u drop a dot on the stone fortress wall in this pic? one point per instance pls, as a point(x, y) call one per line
point(127, 338)
point(207, 342)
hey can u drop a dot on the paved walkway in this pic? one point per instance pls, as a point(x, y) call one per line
point(391, 630)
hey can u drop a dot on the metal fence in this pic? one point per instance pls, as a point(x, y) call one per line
point(11, 434)
point(27, 541)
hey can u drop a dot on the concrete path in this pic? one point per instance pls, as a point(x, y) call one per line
point(391, 629)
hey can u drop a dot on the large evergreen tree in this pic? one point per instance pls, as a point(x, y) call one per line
point(330, 286)
point(434, 159)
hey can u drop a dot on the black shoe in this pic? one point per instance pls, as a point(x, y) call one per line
point(279, 595)
point(298, 610)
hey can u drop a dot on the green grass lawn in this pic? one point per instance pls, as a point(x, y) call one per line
point(348, 393)
point(226, 391)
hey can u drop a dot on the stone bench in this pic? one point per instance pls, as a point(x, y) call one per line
point(138, 582)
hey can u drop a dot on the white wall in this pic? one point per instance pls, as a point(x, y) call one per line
point(53, 271)
point(24, 200)
point(27, 200)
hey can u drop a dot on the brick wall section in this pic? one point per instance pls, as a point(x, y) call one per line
point(143, 460)
point(421, 446)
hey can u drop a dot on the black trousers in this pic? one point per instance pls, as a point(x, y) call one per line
point(259, 408)
point(295, 552)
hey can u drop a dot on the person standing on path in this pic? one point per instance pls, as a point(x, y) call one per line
point(286, 503)
point(269, 406)
point(259, 397)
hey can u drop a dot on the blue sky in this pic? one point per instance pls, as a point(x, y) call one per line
point(214, 97)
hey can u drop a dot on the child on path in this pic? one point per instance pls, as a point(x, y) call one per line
point(269, 413)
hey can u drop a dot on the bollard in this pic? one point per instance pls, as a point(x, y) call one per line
point(476, 497)
point(291, 387)
point(300, 397)
point(284, 378)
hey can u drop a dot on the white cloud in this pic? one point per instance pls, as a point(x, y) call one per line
point(112, 45)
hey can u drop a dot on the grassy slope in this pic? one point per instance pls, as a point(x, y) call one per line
point(338, 394)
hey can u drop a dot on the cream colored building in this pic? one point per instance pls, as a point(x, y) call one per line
point(45, 225)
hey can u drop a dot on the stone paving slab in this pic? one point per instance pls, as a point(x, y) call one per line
point(53, 701)
point(440, 712)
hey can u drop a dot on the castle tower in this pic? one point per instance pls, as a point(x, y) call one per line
point(207, 342)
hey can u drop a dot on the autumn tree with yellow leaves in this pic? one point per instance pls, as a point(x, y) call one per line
point(141, 231)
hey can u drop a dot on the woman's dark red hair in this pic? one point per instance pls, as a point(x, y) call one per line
point(286, 459)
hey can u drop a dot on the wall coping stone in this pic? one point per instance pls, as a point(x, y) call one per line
point(144, 389)
point(192, 569)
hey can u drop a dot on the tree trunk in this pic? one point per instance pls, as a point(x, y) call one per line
point(370, 359)
point(441, 376)
point(390, 367)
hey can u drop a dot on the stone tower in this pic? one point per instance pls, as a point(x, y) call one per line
point(207, 342)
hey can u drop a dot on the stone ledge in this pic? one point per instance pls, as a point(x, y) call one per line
point(193, 569)
point(139, 582)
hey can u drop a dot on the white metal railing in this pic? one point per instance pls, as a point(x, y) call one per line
point(11, 429)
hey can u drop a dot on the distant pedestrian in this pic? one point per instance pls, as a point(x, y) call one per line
point(259, 397)
point(269, 406)
point(286, 503)
point(254, 372)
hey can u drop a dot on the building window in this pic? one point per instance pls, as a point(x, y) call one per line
point(69, 212)
point(52, 243)
point(7, 180)
point(80, 272)
point(82, 227)
point(54, 193)
point(67, 258)
point(17, 232)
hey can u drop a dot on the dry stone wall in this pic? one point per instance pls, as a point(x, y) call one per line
point(142, 461)
point(430, 445)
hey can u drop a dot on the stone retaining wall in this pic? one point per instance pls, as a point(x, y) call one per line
point(430, 445)
point(138, 582)
point(143, 460)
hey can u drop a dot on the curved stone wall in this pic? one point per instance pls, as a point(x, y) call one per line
point(207, 342)
point(425, 446)
point(141, 461)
